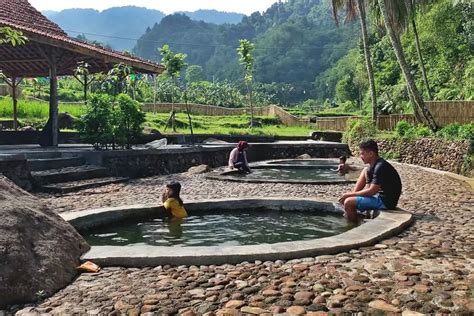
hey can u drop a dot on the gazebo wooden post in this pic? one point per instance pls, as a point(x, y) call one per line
point(13, 84)
point(15, 104)
point(53, 98)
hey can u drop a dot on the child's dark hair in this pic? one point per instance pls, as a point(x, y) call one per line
point(343, 158)
point(176, 187)
point(370, 145)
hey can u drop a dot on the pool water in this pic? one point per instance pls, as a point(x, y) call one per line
point(294, 174)
point(307, 162)
point(221, 229)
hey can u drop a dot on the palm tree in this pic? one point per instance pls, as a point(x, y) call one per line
point(414, 93)
point(412, 13)
point(351, 12)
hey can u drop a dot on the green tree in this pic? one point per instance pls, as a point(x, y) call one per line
point(96, 126)
point(194, 73)
point(245, 50)
point(415, 96)
point(351, 11)
point(174, 63)
point(129, 119)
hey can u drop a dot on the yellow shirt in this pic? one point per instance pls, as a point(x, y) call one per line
point(176, 209)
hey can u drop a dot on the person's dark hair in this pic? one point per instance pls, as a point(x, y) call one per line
point(176, 187)
point(343, 158)
point(242, 145)
point(370, 145)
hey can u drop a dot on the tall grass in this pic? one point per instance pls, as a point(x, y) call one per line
point(35, 109)
point(35, 113)
point(226, 125)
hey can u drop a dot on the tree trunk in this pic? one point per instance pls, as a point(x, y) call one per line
point(420, 57)
point(249, 89)
point(417, 100)
point(86, 84)
point(189, 117)
point(173, 119)
point(368, 61)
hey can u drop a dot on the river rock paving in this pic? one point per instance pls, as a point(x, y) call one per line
point(427, 269)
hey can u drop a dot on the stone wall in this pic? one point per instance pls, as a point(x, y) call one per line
point(446, 155)
point(15, 168)
point(141, 163)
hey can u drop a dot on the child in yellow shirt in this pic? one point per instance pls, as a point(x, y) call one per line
point(172, 202)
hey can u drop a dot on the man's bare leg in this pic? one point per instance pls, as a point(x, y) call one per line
point(351, 210)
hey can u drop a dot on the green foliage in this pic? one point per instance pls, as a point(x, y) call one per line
point(174, 63)
point(105, 125)
point(403, 129)
point(359, 130)
point(129, 119)
point(296, 40)
point(194, 73)
point(11, 36)
point(346, 90)
point(457, 131)
point(96, 126)
point(245, 50)
point(445, 33)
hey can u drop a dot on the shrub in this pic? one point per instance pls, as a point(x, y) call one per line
point(466, 131)
point(129, 119)
point(402, 128)
point(359, 130)
point(457, 131)
point(96, 125)
point(103, 125)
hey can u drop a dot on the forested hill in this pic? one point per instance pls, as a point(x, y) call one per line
point(123, 25)
point(295, 41)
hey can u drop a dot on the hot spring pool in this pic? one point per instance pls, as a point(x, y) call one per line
point(221, 228)
point(228, 230)
point(306, 171)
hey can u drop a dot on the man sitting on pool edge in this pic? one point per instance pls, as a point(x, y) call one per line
point(384, 184)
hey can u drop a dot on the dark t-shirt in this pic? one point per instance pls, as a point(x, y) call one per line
point(384, 174)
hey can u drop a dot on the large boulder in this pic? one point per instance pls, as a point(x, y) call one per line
point(66, 121)
point(39, 251)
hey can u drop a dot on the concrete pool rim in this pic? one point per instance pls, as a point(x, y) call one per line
point(387, 224)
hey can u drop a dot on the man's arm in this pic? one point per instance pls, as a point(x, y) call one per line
point(370, 191)
point(232, 158)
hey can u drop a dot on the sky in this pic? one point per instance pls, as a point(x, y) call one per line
point(166, 6)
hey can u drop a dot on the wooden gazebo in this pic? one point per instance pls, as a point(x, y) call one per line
point(50, 52)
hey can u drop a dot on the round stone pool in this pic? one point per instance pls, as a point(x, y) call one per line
point(307, 171)
point(227, 231)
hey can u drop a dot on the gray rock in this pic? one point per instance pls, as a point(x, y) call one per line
point(157, 143)
point(39, 251)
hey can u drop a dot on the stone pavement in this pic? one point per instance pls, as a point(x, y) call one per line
point(426, 269)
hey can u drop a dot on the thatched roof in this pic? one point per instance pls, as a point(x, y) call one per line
point(30, 59)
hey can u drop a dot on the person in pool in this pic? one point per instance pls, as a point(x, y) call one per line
point(238, 157)
point(343, 168)
point(384, 185)
point(172, 202)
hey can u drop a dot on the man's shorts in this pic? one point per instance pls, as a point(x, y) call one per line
point(364, 203)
